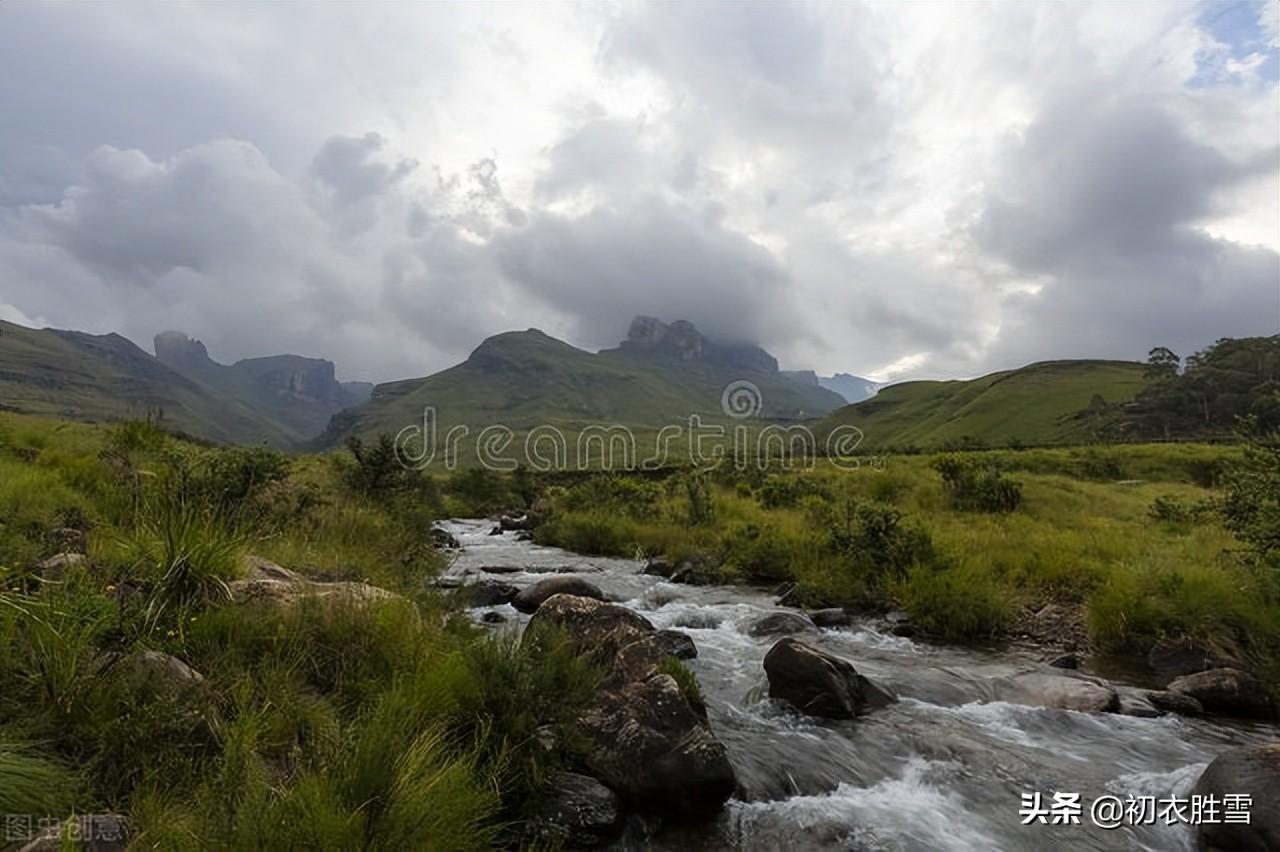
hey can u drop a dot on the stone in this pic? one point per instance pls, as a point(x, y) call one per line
point(780, 623)
point(269, 583)
point(444, 540)
point(834, 617)
point(1063, 692)
point(1226, 691)
point(532, 597)
point(659, 567)
point(1066, 661)
point(677, 644)
point(1252, 771)
point(577, 810)
point(640, 734)
point(818, 683)
point(1175, 702)
point(493, 617)
point(489, 593)
point(1174, 658)
point(54, 569)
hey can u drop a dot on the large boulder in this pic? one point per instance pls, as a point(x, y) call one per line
point(819, 683)
point(1061, 691)
point(444, 540)
point(532, 597)
point(1253, 771)
point(577, 811)
point(780, 623)
point(640, 734)
point(647, 741)
point(1230, 692)
point(513, 523)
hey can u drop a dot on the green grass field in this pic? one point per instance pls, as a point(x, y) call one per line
point(365, 723)
point(1041, 404)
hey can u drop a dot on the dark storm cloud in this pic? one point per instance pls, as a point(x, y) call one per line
point(1099, 203)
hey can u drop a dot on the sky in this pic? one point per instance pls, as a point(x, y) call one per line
point(895, 190)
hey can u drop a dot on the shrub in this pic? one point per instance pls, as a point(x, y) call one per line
point(956, 603)
point(877, 543)
point(1251, 503)
point(700, 508)
point(1099, 465)
point(972, 487)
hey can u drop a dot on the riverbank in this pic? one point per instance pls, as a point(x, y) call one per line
point(942, 767)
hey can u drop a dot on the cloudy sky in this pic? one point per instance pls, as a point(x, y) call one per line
point(895, 190)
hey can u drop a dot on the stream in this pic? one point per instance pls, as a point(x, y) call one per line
point(944, 768)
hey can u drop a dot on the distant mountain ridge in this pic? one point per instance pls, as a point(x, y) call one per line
point(299, 394)
point(852, 388)
point(104, 378)
point(660, 374)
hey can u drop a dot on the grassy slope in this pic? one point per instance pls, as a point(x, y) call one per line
point(1034, 405)
point(526, 379)
point(107, 378)
point(362, 726)
point(1076, 540)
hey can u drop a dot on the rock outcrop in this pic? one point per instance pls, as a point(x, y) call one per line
point(269, 583)
point(641, 734)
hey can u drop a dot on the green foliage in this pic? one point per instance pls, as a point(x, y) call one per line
point(183, 553)
point(481, 490)
point(877, 543)
point(1232, 379)
point(975, 487)
point(1251, 502)
point(32, 783)
point(380, 472)
point(956, 604)
point(700, 508)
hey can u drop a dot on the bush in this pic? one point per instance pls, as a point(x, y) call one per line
point(956, 603)
point(700, 508)
point(1251, 503)
point(878, 544)
point(1100, 465)
point(972, 487)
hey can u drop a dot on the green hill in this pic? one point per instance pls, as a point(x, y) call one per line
point(104, 378)
point(1042, 403)
point(526, 379)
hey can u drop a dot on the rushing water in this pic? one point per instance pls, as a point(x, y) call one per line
point(942, 769)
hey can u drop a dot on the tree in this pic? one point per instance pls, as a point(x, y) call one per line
point(1162, 363)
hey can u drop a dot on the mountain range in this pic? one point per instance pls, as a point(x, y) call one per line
point(660, 374)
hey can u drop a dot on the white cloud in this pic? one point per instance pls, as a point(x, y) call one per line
point(939, 189)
